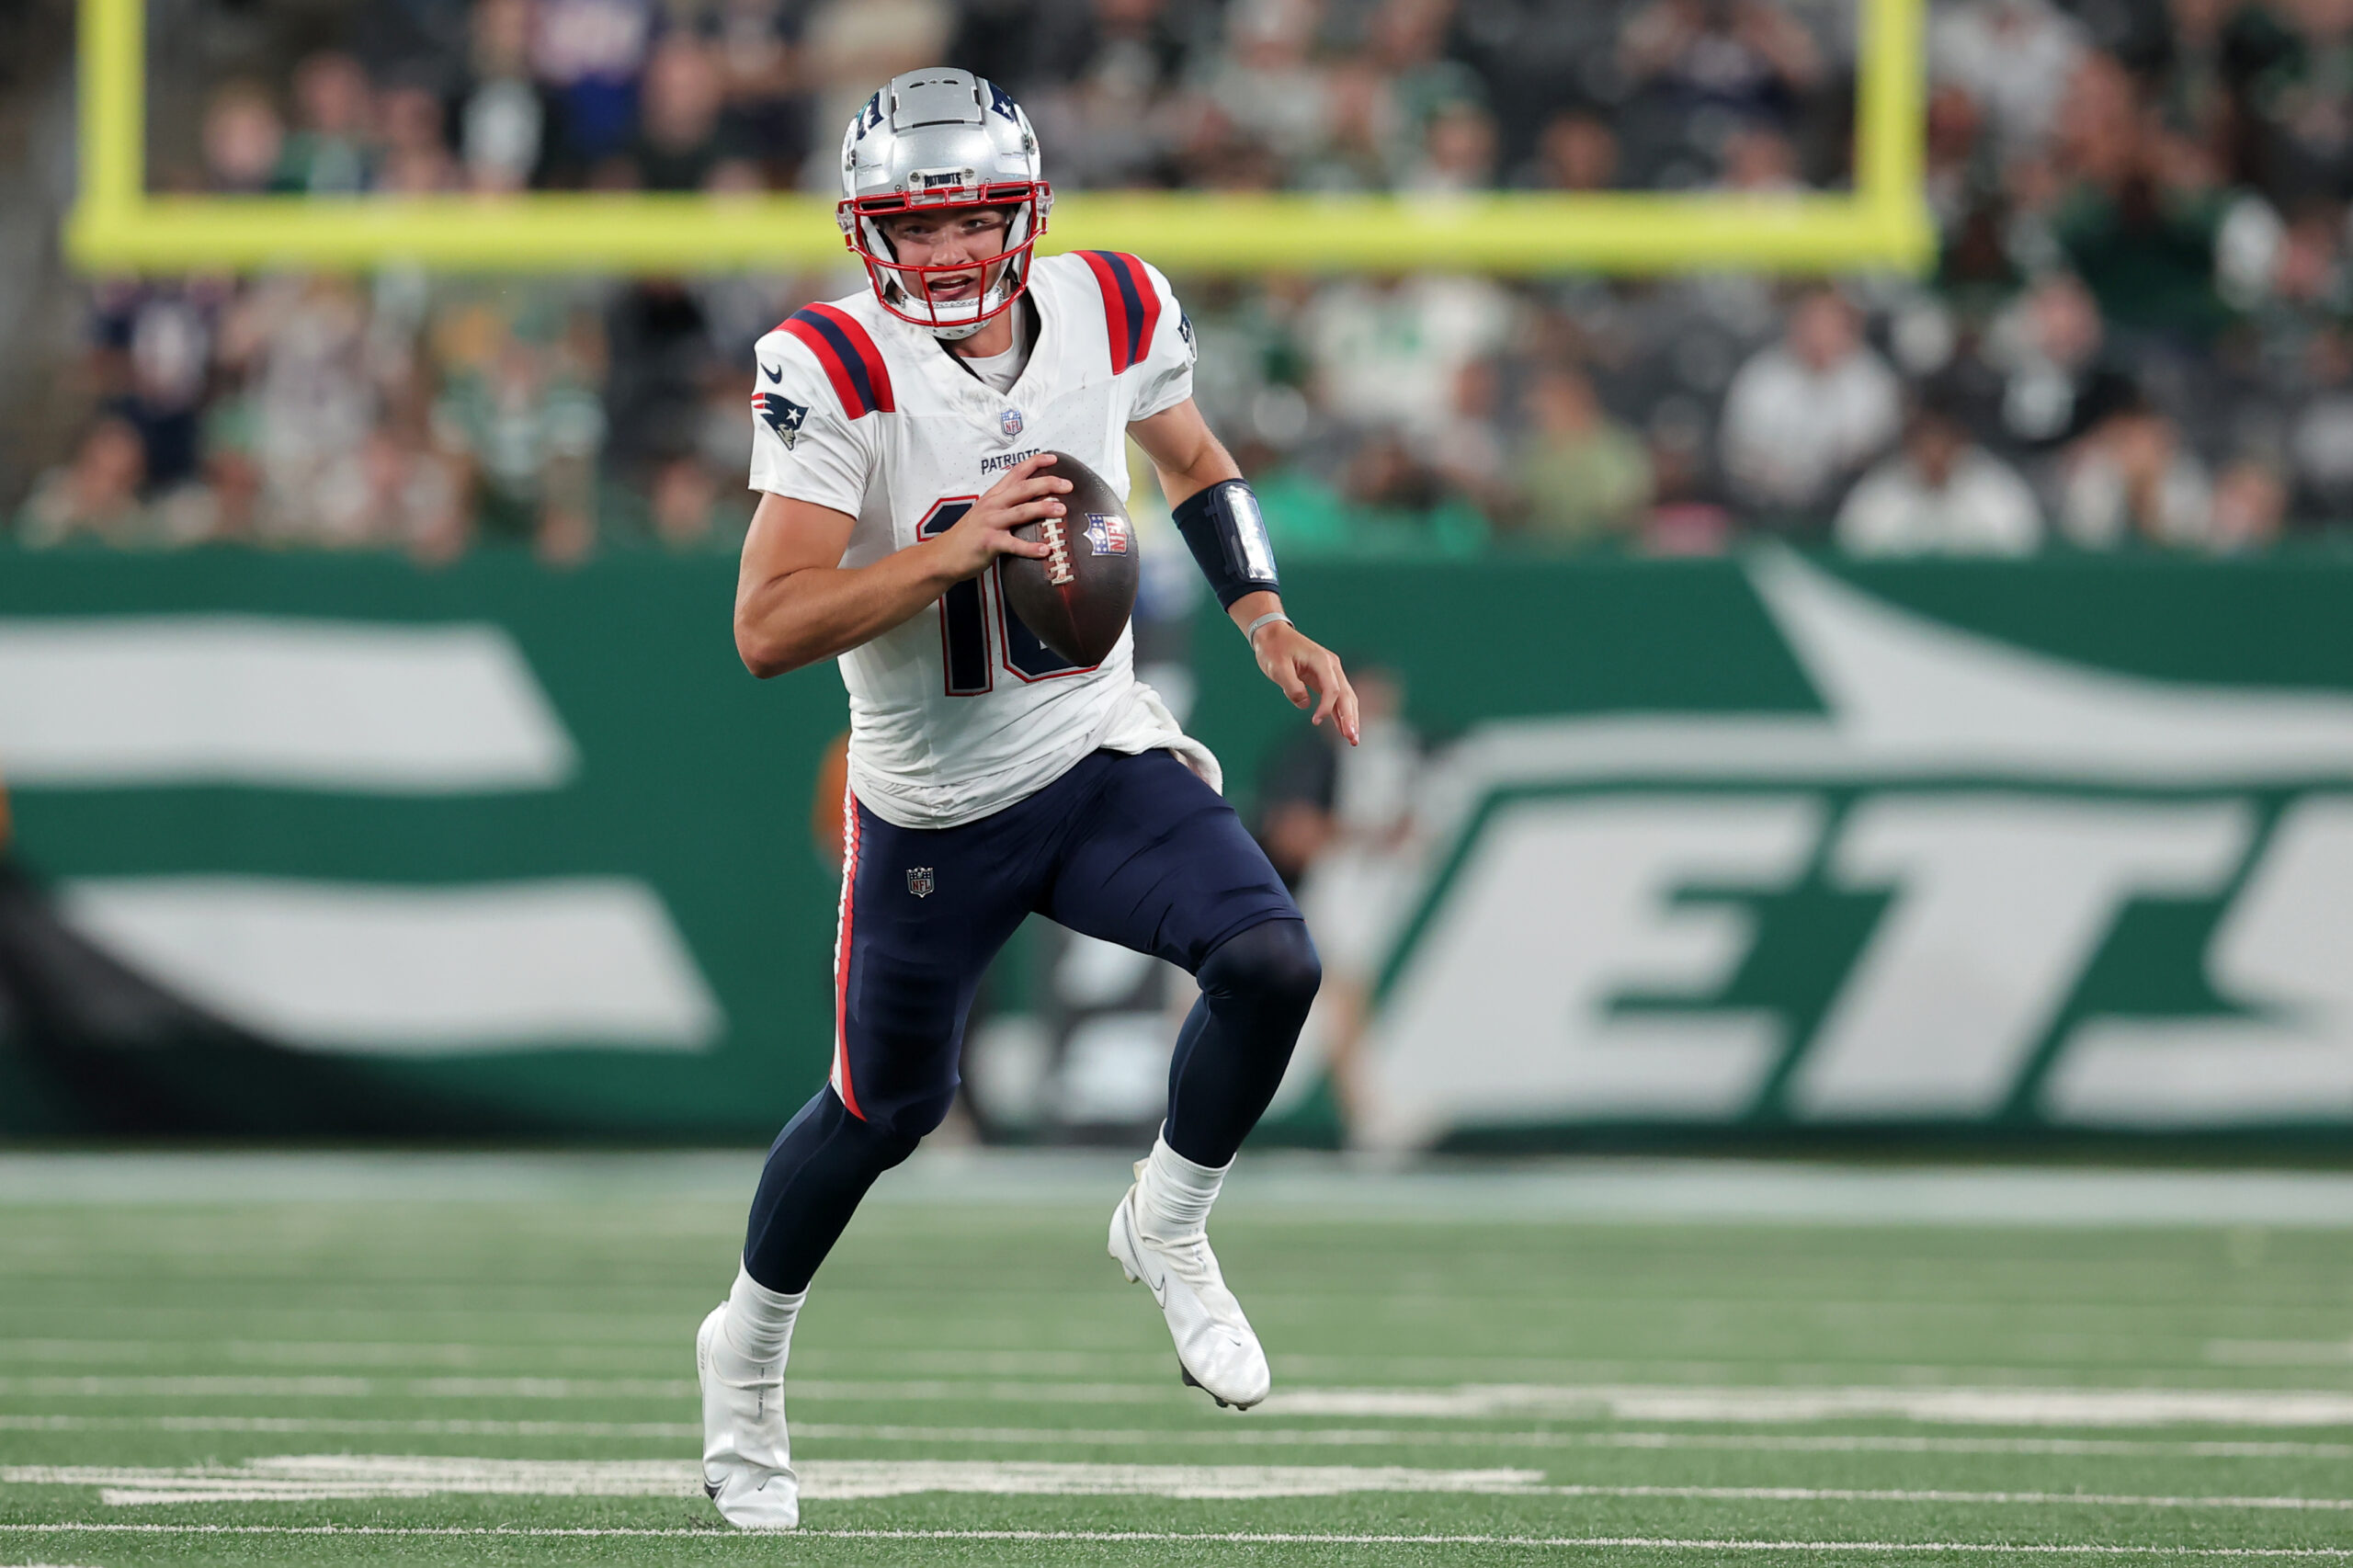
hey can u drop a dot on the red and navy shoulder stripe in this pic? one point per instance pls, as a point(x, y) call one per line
point(1131, 304)
point(852, 362)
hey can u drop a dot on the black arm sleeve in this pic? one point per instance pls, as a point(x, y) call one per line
point(1228, 537)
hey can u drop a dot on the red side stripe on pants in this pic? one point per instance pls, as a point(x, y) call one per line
point(841, 956)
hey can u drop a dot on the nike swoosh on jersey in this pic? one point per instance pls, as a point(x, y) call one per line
point(776, 376)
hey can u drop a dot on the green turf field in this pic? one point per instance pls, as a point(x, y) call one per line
point(508, 1378)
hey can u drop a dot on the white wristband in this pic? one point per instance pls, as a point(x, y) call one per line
point(1250, 632)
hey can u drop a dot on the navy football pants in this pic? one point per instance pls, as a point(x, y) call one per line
point(1135, 850)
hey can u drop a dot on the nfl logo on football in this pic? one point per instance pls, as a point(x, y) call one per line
point(919, 881)
point(1010, 422)
point(1107, 535)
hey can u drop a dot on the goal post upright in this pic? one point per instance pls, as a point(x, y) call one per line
point(111, 120)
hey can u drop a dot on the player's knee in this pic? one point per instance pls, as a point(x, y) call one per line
point(1272, 966)
point(877, 1141)
point(906, 1122)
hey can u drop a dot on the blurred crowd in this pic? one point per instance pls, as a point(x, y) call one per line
point(2137, 332)
point(496, 96)
point(409, 413)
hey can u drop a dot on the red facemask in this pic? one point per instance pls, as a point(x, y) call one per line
point(905, 290)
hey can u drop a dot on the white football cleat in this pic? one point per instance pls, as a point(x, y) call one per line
point(747, 1457)
point(1216, 1350)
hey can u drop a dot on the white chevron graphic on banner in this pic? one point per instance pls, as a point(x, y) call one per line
point(357, 967)
point(98, 701)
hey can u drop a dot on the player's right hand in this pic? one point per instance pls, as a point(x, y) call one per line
point(985, 533)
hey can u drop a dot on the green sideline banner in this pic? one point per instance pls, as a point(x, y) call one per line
point(486, 850)
point(1768, 846)
point(1993, 850)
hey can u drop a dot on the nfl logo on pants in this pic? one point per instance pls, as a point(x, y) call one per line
point(919, 881)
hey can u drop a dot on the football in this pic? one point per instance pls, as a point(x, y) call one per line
point(1076, 600)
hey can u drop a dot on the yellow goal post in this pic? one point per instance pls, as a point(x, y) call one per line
point(118, 225)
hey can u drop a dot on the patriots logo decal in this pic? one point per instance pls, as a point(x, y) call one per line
point(783, 415)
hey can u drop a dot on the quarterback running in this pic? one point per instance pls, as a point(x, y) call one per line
point(900, 436)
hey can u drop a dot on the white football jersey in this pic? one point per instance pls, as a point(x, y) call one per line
point(960, 710)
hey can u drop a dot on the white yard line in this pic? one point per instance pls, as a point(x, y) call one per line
point(2027, 1499)
point(332, 1477)
point(1225, 1435)
point(268, 1387)
point(557, 1362)
point(1951, 1405)
point(546, 1357)
point(2281, 1352)
point(803, 1389)
point(254, 1352)
point(1600, 1189)
point(334, 1355)
point(2111, 1447)
point(357, 1427)
point(164, 1387)
point(344, 1477)
point(1777, 1405)
point(1234, 1537)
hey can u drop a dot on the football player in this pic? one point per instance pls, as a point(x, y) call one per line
point(898, 441)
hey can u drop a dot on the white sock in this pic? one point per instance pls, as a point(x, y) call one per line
point(1174, 1195)
point(758, 1323)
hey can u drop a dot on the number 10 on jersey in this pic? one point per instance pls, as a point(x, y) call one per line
point(964, 622)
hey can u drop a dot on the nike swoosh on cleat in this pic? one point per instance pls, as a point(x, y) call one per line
point(1159, 1287)
point(710, 1490)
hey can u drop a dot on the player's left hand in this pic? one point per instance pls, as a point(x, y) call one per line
point(1310, 674)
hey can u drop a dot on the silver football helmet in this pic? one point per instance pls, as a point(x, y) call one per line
point(941, 139)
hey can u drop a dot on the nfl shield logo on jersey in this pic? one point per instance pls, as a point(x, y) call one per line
point(1010, 422)
point(919, 881)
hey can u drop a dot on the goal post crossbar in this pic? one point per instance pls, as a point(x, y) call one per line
point(118, 225)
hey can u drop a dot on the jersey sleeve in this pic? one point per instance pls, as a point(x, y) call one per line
point(803, 445)
point(1164, 377)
